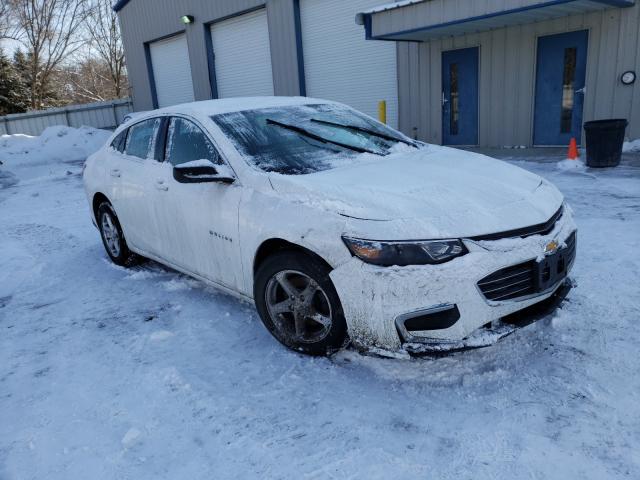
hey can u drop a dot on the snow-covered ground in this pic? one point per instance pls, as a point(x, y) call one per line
point(147, 374)
point(631, 146)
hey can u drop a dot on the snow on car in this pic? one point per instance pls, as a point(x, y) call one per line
point(338, 227)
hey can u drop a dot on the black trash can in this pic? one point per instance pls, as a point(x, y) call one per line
point(604, 140)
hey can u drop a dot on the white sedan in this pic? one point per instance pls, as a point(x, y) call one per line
point(337, 226)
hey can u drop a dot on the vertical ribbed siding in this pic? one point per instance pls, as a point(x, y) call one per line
point(98, 115)
point(284, 53)
point(507, 76)
point(340, 64)
point(436, 12)
point(143, 21)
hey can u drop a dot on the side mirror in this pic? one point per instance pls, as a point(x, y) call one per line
point(202, 171)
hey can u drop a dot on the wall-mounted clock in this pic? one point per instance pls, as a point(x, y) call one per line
point(628, 78)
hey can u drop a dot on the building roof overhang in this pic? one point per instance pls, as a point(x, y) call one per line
point(424, 20)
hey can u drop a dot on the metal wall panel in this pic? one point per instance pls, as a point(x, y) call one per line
point(436, 12)
point(284, 47)
point(98, 115)
point(425, 20)
point(143, 21)
point(507, 76)
point(340, 64)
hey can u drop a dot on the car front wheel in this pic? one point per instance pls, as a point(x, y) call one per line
point(298, 303)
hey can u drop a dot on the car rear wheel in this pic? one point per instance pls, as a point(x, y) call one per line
point(113, 237)
point(298, 303)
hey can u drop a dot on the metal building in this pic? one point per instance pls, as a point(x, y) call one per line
point(459, 72)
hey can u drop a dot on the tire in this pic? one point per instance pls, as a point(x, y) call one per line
point(298, 303)
point(113, 237)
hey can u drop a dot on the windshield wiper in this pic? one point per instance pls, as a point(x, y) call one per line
point(303, 131)
point(391, 138)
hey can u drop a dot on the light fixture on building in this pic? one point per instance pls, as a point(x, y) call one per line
point(187, 19)
point(628, 78)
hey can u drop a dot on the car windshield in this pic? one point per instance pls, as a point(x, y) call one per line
point(302, 139)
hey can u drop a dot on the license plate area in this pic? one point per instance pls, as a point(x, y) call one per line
point(550, 270)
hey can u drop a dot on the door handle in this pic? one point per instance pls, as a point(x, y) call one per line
point(161, 186)
point(115, 173)
point(582, 90)
point(444, 100)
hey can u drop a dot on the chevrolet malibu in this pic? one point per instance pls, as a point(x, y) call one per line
point(339, 228)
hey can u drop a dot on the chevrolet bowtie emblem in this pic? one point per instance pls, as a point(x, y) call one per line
point(551, 247)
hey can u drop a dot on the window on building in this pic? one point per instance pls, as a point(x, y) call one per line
point(454, 114)
point(568, 89)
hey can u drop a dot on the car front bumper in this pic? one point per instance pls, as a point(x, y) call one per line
point(379, 301)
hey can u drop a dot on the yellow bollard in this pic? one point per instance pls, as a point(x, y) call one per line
point(382, 111)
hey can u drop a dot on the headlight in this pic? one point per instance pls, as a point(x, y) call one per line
point(405, 253)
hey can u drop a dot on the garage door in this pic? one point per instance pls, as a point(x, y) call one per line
point(340, 64)
point(242, 55)
point(172, 71)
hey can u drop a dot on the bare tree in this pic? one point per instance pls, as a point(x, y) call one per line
point(86, 80)
point(49, 31)
point(5, 19)
point(105, 40)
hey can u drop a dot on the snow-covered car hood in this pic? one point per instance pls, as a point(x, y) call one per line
point(435, 192)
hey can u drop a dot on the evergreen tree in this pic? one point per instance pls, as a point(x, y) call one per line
point(42, 95)
point(13, 94)
point(21, 68)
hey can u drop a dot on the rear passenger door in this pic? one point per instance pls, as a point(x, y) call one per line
point(130, 172)
point(198, 222)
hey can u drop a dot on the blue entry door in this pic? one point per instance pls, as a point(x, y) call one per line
point(560, 77)
point(460, 97)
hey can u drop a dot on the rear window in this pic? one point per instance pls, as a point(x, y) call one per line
point(119, 141)
point(141, 139)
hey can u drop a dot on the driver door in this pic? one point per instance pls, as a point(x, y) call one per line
point(197, 222)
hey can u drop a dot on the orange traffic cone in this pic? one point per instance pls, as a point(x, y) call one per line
point(573, 150)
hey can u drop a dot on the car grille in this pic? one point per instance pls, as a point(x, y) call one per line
point(539, 229)
point(571, 247)
point(520, 280)
point(510, 282)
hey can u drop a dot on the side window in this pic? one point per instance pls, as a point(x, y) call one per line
point(141, 140)
point(186, 143)
point(118, 142)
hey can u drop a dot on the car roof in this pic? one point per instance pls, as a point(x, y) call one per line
point(237, 104)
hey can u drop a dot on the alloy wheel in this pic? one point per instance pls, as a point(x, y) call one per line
point(298, 306)
point(111, 234)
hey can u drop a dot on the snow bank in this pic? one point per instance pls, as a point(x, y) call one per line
point(58, 141)
point(48, 153)
point(568, 165)
point(631, 146)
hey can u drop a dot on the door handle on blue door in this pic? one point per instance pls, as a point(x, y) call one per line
point(115, 172)
point(161, 186)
